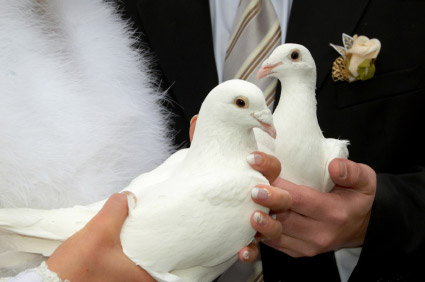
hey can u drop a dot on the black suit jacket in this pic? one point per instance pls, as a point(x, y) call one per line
point(382, 117)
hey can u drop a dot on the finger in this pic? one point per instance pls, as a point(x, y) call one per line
point(112, 216)
point(249, 253)
point(266, 225)
point(305, 200)
point(276, 199)
point(300, 227)
point(268, 165)
point(346, 173)
point(192, 127)
point(292, 246)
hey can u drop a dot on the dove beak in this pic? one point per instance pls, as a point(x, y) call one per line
point(265, 119)
point(266, 69)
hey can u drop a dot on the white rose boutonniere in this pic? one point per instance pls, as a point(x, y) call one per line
point(357, 61)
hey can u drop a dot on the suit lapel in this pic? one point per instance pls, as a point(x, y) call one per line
point(181, 35)
point(332, 18)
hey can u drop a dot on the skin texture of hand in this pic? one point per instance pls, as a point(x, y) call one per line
point(309, 222)
point(270, 167)
point(94, 253)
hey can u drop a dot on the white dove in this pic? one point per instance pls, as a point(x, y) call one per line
point(300, 146)
point(193, 211)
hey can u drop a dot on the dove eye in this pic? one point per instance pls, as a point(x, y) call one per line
point(241, 102)
point(295, 55)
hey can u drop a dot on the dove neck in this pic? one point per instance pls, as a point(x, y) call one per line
point(217, 137)
point(299, 89)
point(297, 101)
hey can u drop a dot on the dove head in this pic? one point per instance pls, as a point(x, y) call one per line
point(289, 60)
point(236, 105)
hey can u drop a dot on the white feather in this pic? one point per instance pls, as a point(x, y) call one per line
point(300, 146)
point(193, 212)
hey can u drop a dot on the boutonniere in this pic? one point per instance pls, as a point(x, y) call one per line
point(357, 61)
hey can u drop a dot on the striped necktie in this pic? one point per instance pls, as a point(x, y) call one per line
point(256, 33)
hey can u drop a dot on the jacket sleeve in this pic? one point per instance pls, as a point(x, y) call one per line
point(395, 239)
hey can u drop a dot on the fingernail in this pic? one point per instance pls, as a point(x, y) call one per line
point(260, 193)
point(255, 159)
point(273, 216)
point(131, 199)
point(342, 170)
point(245, 255)
point(260, 218)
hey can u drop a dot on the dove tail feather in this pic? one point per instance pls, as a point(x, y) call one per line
point(58, 224)
point(164, 277)
point(27, 244)
point(204, 273)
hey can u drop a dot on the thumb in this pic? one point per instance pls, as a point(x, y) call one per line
point(111, 217)
point(349, 174)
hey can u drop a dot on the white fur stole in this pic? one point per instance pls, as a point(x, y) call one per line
point(79, 115)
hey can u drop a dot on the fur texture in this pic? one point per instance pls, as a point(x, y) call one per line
point(79, 114)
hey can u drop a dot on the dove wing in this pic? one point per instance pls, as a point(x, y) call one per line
point(204, 217)
point(159, 174)
point(57, 224)
point(41, 231)
point(28, 244)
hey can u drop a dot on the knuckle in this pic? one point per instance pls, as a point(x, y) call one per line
point(353, 174)
point(272, 229)
point(296, 255)
point(322, 243)
point(361, 174)
point(296, 198)
point(118, 198)
point(115, 197)
point(340, 218)
point(276, 230)
point(370, 174)
point(283, 200)
point(271, 165)
point(276, 165)
point(310, 253)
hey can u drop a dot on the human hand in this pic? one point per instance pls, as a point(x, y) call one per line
point(309, 222)
point(95, 253)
